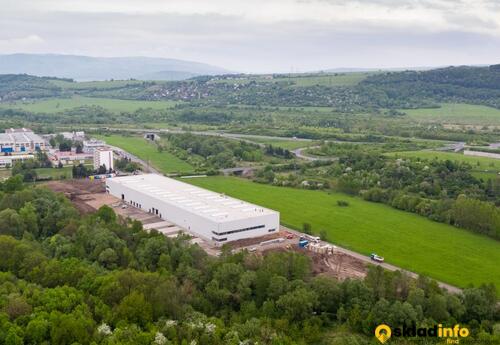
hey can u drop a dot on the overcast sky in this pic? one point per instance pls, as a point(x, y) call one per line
point(261, 35)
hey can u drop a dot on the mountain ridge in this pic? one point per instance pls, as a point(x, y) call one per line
point(88, 68)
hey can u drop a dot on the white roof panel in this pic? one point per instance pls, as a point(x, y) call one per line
point(197, 200)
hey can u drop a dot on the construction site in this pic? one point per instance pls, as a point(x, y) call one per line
point(88, 196)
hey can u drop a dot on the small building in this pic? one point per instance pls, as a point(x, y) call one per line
point(69, 157)
point(90, 145)
point(209, 215)
point(9, 161)
point(103, 157)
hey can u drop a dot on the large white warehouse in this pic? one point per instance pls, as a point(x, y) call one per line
point(207, 214)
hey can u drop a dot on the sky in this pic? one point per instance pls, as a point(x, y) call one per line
point(261, 36)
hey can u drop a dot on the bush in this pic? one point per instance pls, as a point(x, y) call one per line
point(342, 203)
point(307, 228)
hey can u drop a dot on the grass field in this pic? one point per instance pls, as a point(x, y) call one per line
point(62, 104)
point(55, 173)
point(482, 167)
point(338, 79)
point(407, 240)
point(163, 161)
point(457, 113)
point(326, 79)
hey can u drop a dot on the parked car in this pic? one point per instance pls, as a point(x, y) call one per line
point(376, 258)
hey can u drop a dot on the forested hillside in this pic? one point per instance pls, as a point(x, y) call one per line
point(408, 89)
point(14, 87)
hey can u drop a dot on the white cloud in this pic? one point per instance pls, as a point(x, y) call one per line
point(429, 15)
point(260, 35)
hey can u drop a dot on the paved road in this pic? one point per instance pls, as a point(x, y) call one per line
point(125, 154)
point(299, 154)
point(366, 259)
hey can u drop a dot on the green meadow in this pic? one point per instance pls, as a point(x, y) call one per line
point(437, 250)
point(54, 105)
point(163, 161)
point(457, 113)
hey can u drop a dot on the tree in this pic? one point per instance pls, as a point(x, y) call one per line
point(134, 308)
point(298, 305)
point(11, 223)
point(106, 213)
point(307, 228)
point(28, 215)
point(17, 306)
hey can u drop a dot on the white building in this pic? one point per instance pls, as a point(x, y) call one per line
point(89, 146)
point(206, 214)
point(74, 136)
point(9, 161)
point(21, 141)
point(103, 157)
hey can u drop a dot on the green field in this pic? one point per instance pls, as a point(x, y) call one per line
point(55, 173)
point(482, 167)
point(337, 79)
point(458, 113)
point(407, 240)
point(302, 80)
point(61, 104)
point(163, 161)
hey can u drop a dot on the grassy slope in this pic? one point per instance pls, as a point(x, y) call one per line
point(114, 105)
point(438, 250)
point(328, 79)
point(344, 79)
point(458, 113)
point(482, 167)
point(164, 161)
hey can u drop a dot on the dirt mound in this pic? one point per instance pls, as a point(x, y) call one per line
point(77, 187)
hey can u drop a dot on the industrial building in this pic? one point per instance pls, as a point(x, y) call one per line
point(21, 141)
point(9, 161)
point(89, 146)
point(103, 157)
point(209, 215)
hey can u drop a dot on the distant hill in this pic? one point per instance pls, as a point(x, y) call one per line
point(86, 68)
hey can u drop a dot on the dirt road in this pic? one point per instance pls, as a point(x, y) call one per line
point(366, 259)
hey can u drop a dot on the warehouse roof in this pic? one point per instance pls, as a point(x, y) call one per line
point(20, 137)
point(215, 206)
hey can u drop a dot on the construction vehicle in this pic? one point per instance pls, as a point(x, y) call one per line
point(303, 243)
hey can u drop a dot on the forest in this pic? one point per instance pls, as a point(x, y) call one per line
point(97, 279)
